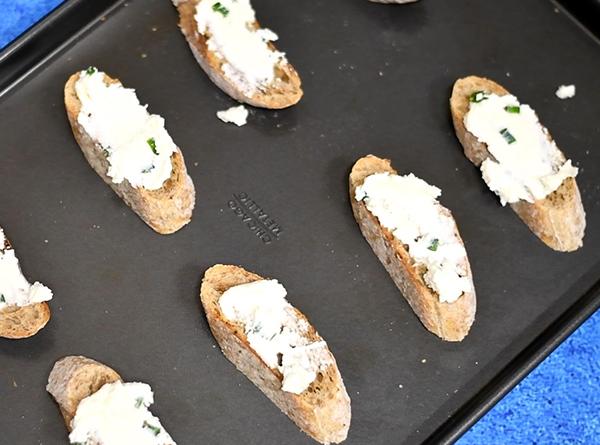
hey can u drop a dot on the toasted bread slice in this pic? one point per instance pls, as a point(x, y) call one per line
point(323, 410)
point(284, 92)
point(449, 321)
point(22, 322)
point(559, 219)
point(74, 378)
point(165, 210)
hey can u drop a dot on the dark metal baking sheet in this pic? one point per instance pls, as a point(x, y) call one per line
point(377, 80)
point(586, 12)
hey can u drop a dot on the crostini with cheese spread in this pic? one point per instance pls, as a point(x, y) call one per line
point(417, 241)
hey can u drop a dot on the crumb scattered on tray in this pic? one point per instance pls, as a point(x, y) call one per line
point(234, 115)
point(565, 91)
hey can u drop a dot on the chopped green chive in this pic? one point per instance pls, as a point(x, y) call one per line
point(91, 70)
point(218, 7)
point(515, 109)
point(152, 143)
point(2, 299)
point(478, 96)
point(508, 136)
point(434, 244)
point(155, 430)
point(138, 402)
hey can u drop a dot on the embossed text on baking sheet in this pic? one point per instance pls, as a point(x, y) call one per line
point(255, 218)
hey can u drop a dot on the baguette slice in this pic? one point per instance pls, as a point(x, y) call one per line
point(322, 411)
point(559, 219)
point(74, 378)
point(165, 210)
point(282, 94)
point(22, 322)
point(449, 321)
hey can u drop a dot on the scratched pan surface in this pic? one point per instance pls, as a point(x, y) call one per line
point(377, 80)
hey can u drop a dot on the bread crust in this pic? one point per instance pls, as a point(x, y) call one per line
point(449, 321)
point(285, 92)
point(559, 219)
point(22, 322)
point(165, 210)
point(323, 410)
point(74, 378)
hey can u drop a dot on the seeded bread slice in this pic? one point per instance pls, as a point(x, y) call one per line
point(74, 378)
point(284, 92)
point(22, 322)
point(323, 410)
point(559, 219)
point(449, 321)
point(166, 210)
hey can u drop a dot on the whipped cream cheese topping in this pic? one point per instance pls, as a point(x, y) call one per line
point(407, 206)
point(275, 332)
point(248, 60)
point(135, 143)
point(117, 414)
point(235, 115)
point(15, 290)
point(526, 164)
point(566, 91)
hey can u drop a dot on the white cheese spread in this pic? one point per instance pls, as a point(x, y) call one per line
point(117, 414)
point(15, 290)
point(525, 163)
point(235, 115)
point(229, 26)
point(275, 332)
point(407, 206)
point(136, 143)
point(565, 91)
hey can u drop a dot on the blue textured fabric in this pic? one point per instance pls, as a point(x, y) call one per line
point(558, 403)
point(18, 15)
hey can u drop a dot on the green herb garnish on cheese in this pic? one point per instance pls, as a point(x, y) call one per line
point(508, 136)
point(218, 7)
point(478, 96)
point(155, 430)
point(152, 144)
point(514, 109)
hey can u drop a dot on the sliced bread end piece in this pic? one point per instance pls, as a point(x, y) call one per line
point(23, 322)
point(165, 210)
point(74, 378)
point(285, 92)
point(449, 321)
point(322, 411)
point(559, 219)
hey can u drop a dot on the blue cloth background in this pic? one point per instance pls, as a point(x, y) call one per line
point(558, 403)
